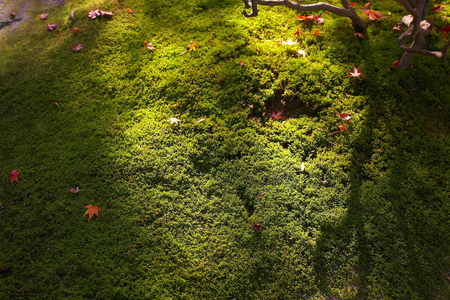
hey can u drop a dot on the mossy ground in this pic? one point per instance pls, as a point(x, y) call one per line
point(366, 219)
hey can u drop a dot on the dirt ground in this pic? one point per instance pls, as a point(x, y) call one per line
point(24, 10)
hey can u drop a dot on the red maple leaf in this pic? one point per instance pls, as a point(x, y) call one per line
point(74, 191)
point(355, 73)
point(148, 46)
point(353, 4)
point(241, 63)
point(394, 64)
point(342, 128)
point(360, 35)
point(50, 27)
point(277, 116)
point(44, 16)
point(445, 31)
point(91, 210)
point(130, 11)
point(75, 30)
point(297, 32)
point(344, 116)
point(77, 47)
point(13, 176)
point(374, 15)
point(257, 227)
point(437, 8)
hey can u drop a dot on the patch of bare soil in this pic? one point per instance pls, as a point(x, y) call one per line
point(14, 14)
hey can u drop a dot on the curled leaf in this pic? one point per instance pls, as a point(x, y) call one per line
point(374, 15)
point(174, 121)
point(344, 116)
point(72, 15)
point(74, 191)
point(257, 227)
point(51, 27)
point(44, 16)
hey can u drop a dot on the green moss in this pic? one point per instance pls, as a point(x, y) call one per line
point(354, 214)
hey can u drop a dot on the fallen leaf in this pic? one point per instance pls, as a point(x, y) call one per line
point(148, 46)
point(407, 20)
point(130, 11)
point(319, 19)
point(77, 47)
point(262, 194)
point(192, 46)
point(75, 30)
point(12, 14)
point(394, 64)
point(241, 63)
point(50, 27)
point(316, 32)
point(13, 176)
point(289, 42)
point(437, 8)
point(174, 120)
point(201, 120)
point(56, 103)
point(277, 116)
point(44, 16)
point(257, 227)
point(353, 4)
point(374, 15)
point(302, 53)
point(74, 191)
point(342, 128)
point(297, 32)
point(91, 210)
point(445, 31)
point(72, 15)
point(98, 12)
point(309, 19)
point(344, 116)
point(367, 5)
point(355, 73)
point(398, 26)
point(360, 35)
point(302, 168)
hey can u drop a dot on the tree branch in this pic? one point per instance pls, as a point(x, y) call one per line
point(347, 11)
point(254, 5)
point(409, 34)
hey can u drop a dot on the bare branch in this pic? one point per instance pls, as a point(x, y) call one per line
point(408, 34)
point(347, 11)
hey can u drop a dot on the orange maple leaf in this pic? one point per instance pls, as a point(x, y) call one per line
point(192, 46)
point(91, 210)
point(342, 128)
